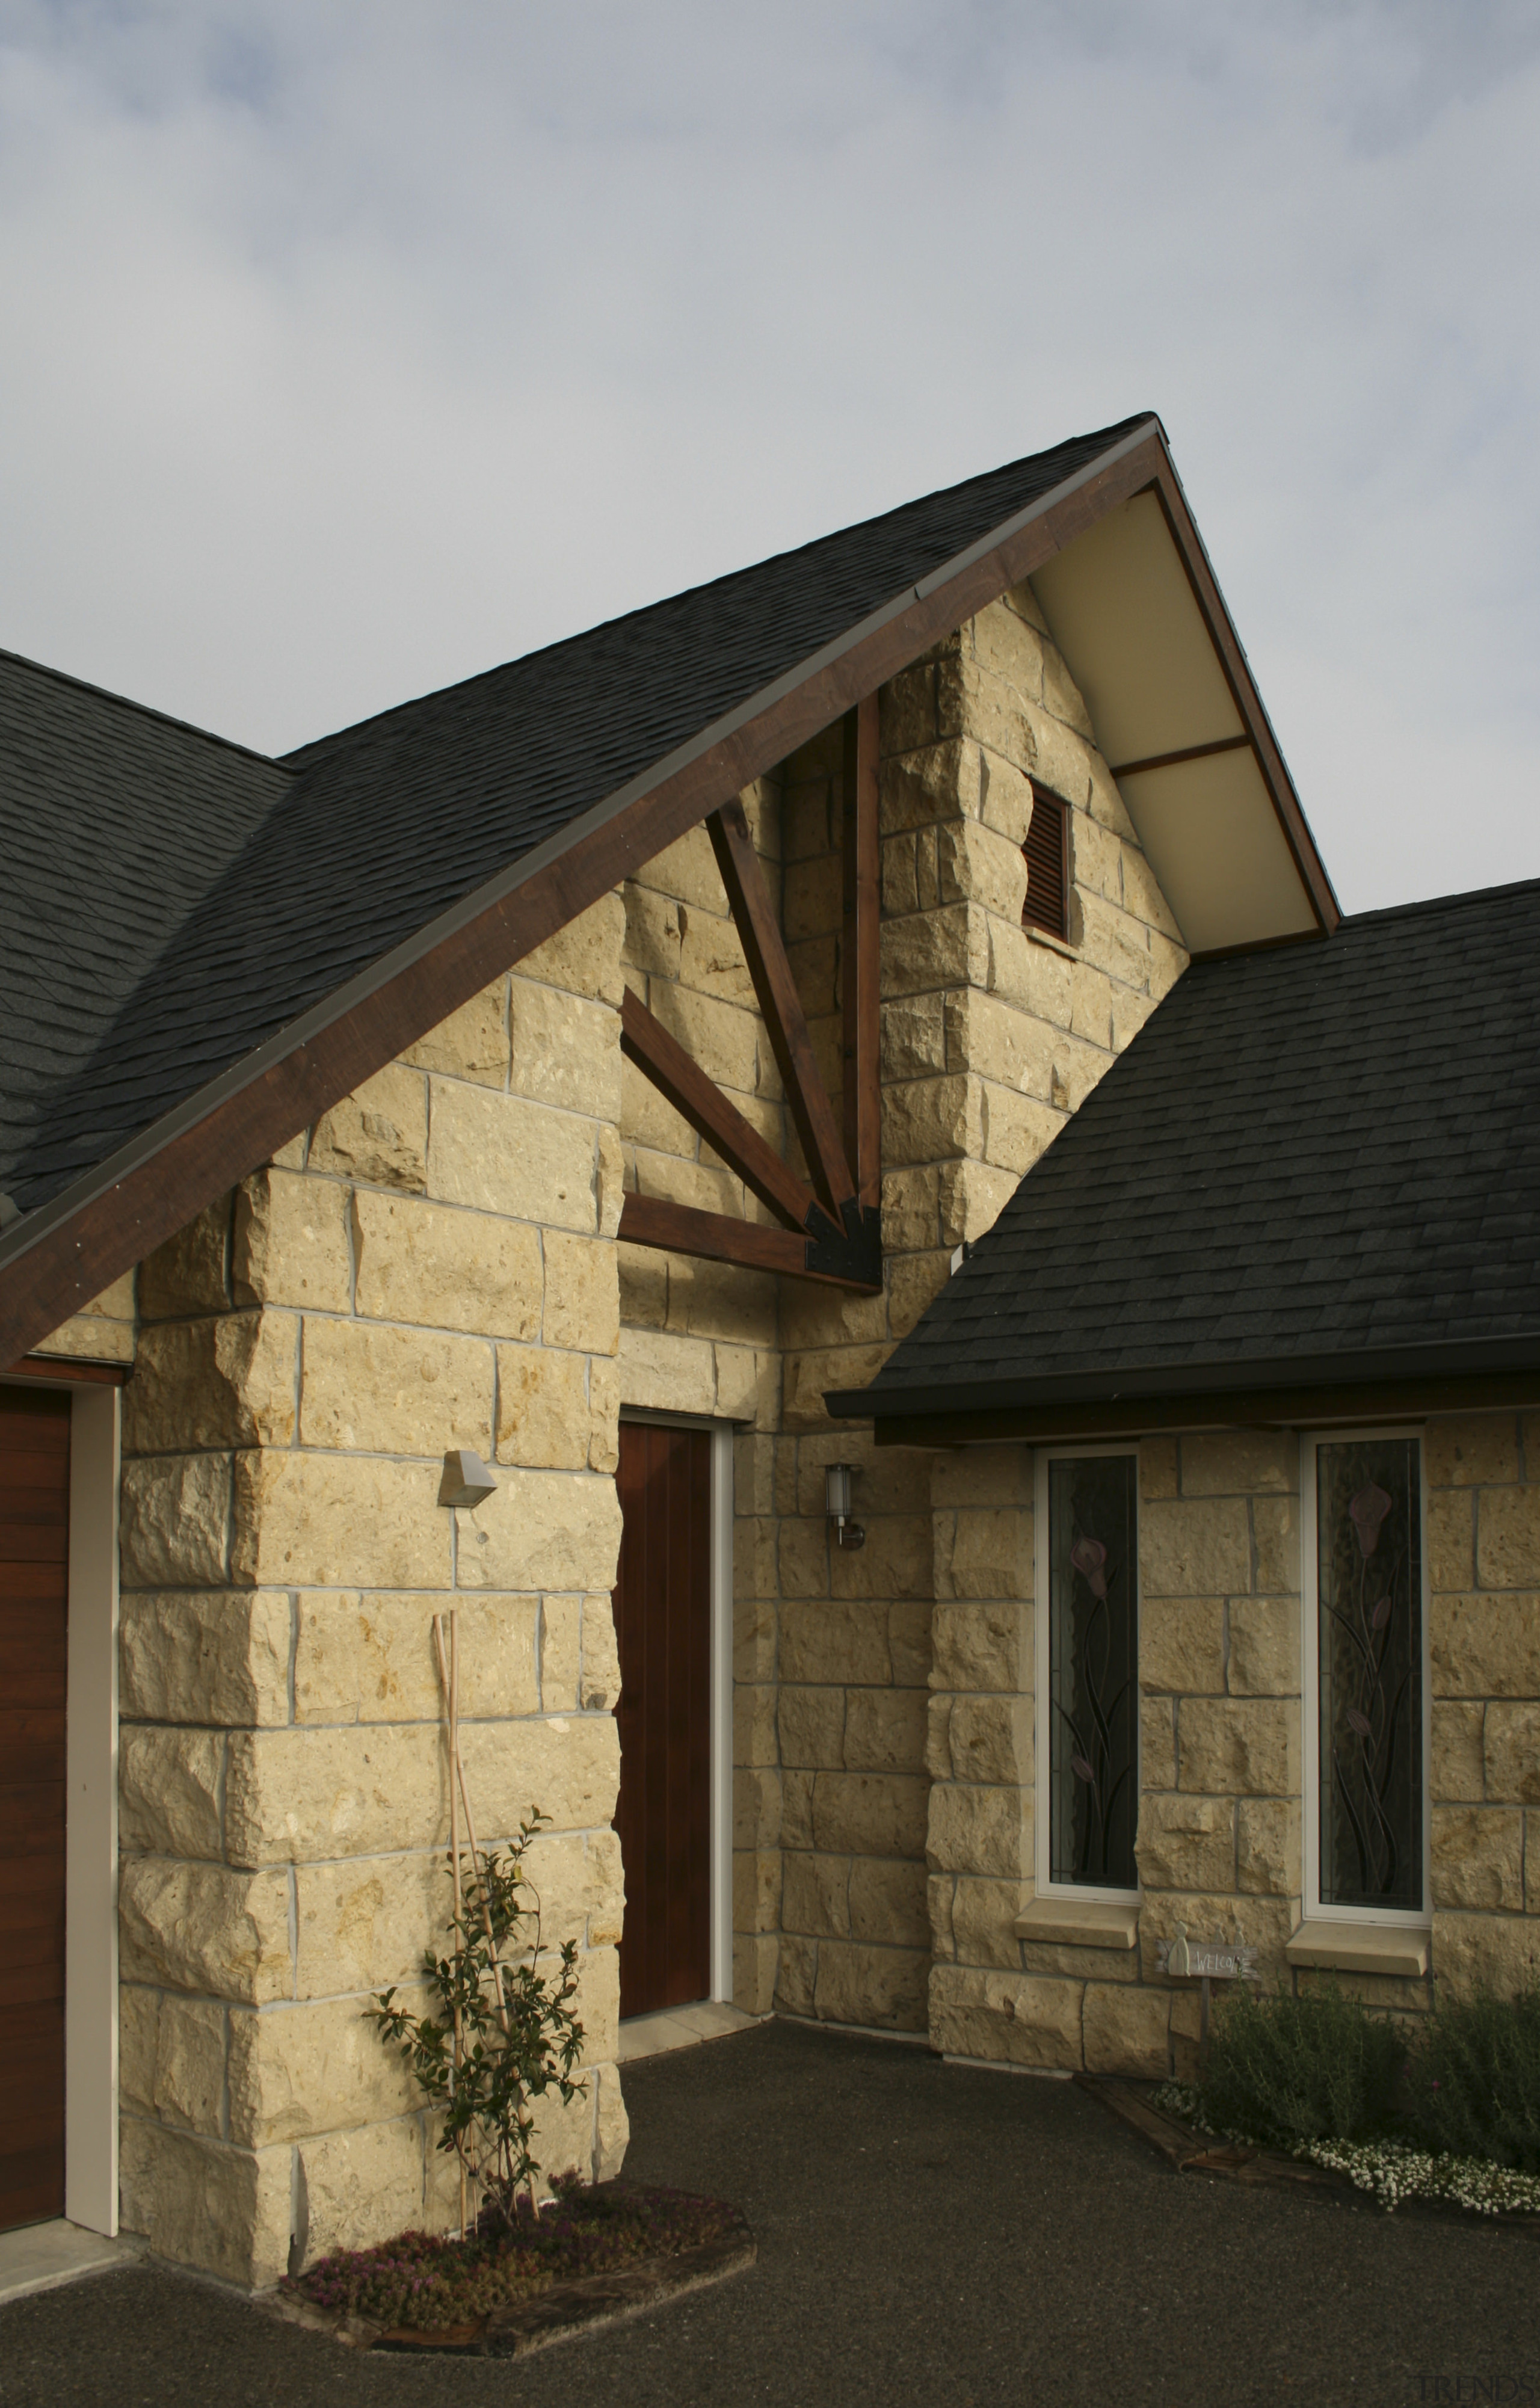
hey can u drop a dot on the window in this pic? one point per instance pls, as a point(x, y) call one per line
point(1366, 1701)
point(1087, 1670)
point(1047, 851)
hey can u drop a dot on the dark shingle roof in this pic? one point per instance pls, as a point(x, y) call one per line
point(1310, 1162)
point(235, 894)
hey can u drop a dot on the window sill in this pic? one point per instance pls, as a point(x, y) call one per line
point(1390, 1949)
point(1054, 944)
point(1080, 1923)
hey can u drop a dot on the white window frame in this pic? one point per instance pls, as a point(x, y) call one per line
point(1313, 1911)
point(1046, 1885)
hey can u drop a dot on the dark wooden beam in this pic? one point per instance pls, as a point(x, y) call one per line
point(169, 1175)
point(861, 967)
point(785, 1024)
point(680, 1229)
point(663, 1060)
point(1187, 753)
point(68, 1368)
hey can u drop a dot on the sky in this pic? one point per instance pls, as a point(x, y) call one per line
point(351, 346)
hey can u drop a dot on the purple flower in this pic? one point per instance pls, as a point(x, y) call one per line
point(1366, 1512)
point(1358, 1723)
point(1082, 1770)
point(1089, 1559)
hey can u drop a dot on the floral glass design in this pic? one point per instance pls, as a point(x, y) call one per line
point(1093, 1671)
point(1370, 1588)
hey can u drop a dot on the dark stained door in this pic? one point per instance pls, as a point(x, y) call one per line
point(663, 1621)
point(33, 1567)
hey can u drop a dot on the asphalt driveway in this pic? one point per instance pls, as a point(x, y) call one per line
point(927, 2233)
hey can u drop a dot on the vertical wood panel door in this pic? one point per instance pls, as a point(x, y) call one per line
point(663, 1621)
point(34, 1571)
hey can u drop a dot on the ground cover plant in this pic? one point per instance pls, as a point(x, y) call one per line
point(423, 2282)
point(1448, 2111)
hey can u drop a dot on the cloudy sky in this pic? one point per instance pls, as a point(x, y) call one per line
point(351, 346)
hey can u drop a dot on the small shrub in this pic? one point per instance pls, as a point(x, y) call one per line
point(1284, 2069)
point(1473, 2079)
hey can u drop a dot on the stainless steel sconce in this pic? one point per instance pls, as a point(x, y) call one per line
point(467, 1479)
point(837, 1477)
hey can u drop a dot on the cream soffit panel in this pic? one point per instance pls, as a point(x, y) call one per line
point(1213, 840)
point(1128, 623)
point(1124, 614)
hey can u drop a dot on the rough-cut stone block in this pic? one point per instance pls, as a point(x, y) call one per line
point(448, 1269)
point(1511, 1742)
point(168, 1785)
point(754, 1960)
point(895, 1561)
point(870, 1813)
point(472, 1043)
point(189, 2068)
point(543, 1422)
point(753, 1737)
point(582, 1294)
point(187, 1273)
point(543, 1530)
point(1237, 1463)
point(883, 1987)
point(202, 2203)
point(980, 1646)
point(1478, 1857)
point(290, 1243)
point(1267, 1845)
point(757, 1891)
point(503, 1155)
point(1486, 1645)
point(909, 1641)
point(1471, 1451)
point(815, 1895)
point(1457, 1768)
point(1186, 1843)
point(812, 1726)
point(1126, 2029)
point(378, 1134)
point(316, 2067)
point(997, 1476)
point(1449, 1514)
point(1507, 1546)
point(138, 2027)
point(666, 1373)
point(369, 1386)
point(1495, 1952)
point(1157, 1467)
point(204, 1927)
point(369, 1657)
point(561, 1652)
point(217, 1657)
point(1240, 1746)
point(982, 1919)
point(1182, 1645)
point(984, 1552)
point(807, 1377)
point(566, 1051)
point(835, 1642)
point(175, 1515)
point(1195, 1547)
point(584, 955)
point(756, 1807)
point(364, 1923)
point(796, 1974)
point(1016, 1131)
point(363, 2185)
point(213, 1383)
point(1264, 1646)
point(1157, 1743)
point(977, 1830)
point(321, 1521)
point(888, 1904)
point(990, 1740)
point(1263, 1922)
point(88, 1338)
point(1005, 2018)
point(885, 1730)
point(1275, 1531)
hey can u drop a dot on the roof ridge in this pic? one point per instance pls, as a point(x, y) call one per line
point(319, 744)
point(144, 710)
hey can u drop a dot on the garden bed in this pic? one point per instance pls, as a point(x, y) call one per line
point(592, 2257)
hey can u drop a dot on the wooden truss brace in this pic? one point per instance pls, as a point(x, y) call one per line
point(832, 1223)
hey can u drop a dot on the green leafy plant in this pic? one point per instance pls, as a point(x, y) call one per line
point(505, 2033)
point(1473, 2079)
point(1283, 2070)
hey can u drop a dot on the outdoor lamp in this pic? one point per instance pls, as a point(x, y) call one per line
point(836, 1505)
point(467, 1479)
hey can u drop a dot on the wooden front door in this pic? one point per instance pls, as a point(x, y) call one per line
point(663, 1621)
point(33, 1573)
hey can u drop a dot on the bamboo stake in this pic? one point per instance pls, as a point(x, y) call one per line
point(449, 1674)
point(476, 1857)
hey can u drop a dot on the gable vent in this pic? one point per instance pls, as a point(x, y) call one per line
point(1048, 865)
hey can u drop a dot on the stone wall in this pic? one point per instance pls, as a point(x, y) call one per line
point(1483, 1473)
point(432, 1266)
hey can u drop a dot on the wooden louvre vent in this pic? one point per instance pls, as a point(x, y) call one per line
point(1048, 865)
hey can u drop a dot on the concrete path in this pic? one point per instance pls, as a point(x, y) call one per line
point(927, 2233)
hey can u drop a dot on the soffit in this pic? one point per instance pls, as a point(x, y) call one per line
point(1122, 608)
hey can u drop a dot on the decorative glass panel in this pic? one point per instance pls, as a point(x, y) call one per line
point(1370, 1574)
point(1093, 1671)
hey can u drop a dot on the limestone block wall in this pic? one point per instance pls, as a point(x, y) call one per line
point(102, 1331)
point(434, 1265)
point(1483, 1474)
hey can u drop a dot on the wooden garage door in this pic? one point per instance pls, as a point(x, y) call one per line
point(34, 1563)
point(663, 1621)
